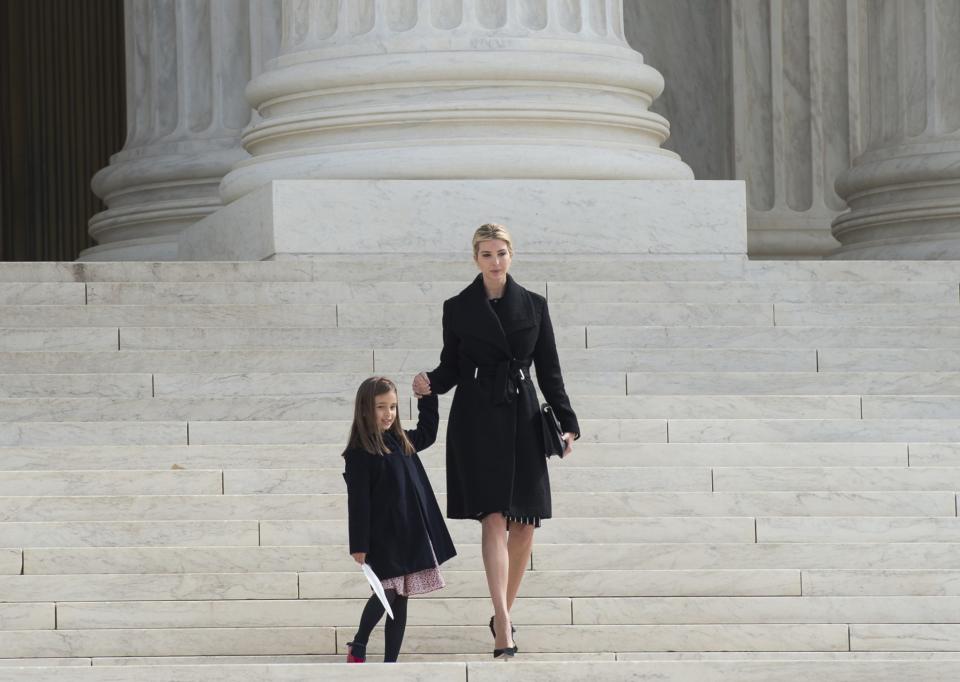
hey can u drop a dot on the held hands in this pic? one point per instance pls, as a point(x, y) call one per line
point(568, 439)
point(421, 385)
point(359, 557)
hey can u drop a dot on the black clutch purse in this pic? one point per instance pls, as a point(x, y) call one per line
point(553, 443)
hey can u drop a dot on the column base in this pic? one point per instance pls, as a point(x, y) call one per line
point(645, 219)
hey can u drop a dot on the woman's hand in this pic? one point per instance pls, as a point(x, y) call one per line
point(421, 385)
point(359, 557)
point(568, 438)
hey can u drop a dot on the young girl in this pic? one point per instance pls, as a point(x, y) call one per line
point(395, 523)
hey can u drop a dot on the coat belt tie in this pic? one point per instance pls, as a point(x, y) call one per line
point(507, 377)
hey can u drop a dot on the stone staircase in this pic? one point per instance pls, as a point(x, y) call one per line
point(766, 487)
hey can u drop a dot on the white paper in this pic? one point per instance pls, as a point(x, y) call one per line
point(377, 588)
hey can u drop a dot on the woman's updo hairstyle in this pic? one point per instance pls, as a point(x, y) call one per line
point(489, 232)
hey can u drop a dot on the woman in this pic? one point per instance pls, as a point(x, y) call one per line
point(496, 469)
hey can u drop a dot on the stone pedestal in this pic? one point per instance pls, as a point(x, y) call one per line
point(904, 189)
point(420, 219)
point(187, 66)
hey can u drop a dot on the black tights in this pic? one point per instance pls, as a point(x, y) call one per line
point(393, 630)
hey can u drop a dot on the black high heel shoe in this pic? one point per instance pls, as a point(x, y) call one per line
point(505, 653)
point(513, 632)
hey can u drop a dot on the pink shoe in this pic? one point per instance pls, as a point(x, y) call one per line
point(360, 649)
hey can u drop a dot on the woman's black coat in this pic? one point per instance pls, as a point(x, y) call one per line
point(495, 453)
point(392, 509)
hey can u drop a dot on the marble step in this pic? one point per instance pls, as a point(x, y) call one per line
point(206, 559)
point(568, 668)
point(858, 529)
point(934, 454)
point(849, 479)
point(433, 639)
point(915, 637)
point(80, 457)
point(294, 315)
point(866, 383)
point(572, 479)
point(883, 334)
point(334, 432)
point(80, 386)
point(939, 360)
point(538, 583)
point(872, 314)
point(156, 507)
point(43, 293)
point(912, 407)
point(151, 293)
point(147, 587)
point(805, 609)
point(529, 266)
point(130, 482)
point(244, 613)
point(546, 556)
point(598, 530)
point(11, 561)
point(749, 292)
point(243, 402)
point(30, 617)
point(64, 339)
point(606, 360)
point(131, 533)
point(814, 430)
point(52, 434)
point(868, 583)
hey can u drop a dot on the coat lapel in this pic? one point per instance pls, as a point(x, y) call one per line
point(516, 310)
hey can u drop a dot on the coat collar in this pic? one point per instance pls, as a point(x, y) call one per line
point(516, 308)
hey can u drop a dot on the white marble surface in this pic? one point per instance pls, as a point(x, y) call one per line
point(11, 561)
point(943, 361)
point(87, 433)
point(679, 218)
point(306, 336)
point(58, 338)
point(222, 315)
point(858, 529)
point(806, 609)
point(42, 293)
point(241, 613)
point(185, 642)
point(814, 430)
point(915, 637)
point(588, 531)
point(866, 383)
point(836, 478)
point(127, 533)
point(101, 385)
point(186, 586)
point(865, 315)
point(28, 617)
point(934, 454)
point(574, 584)
point(932, 583)
point(80, 483)
point(749, 555)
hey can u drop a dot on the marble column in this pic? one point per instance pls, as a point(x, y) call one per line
point(188, 62)
point(904, 188)
point(792, 122)
point(445, 89)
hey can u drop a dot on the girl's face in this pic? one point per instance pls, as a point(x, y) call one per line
point(385, 409)
point(493, 259)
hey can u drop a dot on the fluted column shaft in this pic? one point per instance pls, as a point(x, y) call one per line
point(904, 187)
point(792, 120)
point(188, 62)
point(440, 89)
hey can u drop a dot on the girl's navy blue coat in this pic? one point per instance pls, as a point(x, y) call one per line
point(393, 513)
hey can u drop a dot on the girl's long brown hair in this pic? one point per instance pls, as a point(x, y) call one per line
point(365, 433)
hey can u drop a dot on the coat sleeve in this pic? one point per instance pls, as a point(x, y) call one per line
point(549, 377)
point(428, 422)
point(357, 475)
point(446, 375)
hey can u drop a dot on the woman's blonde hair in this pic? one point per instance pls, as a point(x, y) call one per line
point(365, 432)
point(488, 232)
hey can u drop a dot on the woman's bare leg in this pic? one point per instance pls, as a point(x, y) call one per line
point(496, 564)
point(519, 547)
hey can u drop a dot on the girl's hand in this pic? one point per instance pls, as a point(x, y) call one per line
point(359, 557)
point(568, 437)
point(421, 385)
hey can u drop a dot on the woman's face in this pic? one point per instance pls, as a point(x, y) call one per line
point(493, 259)
point(385, 409)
